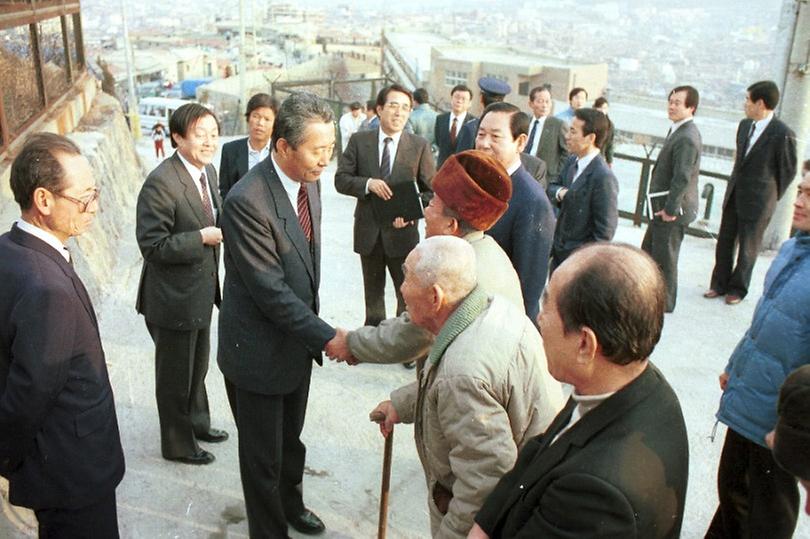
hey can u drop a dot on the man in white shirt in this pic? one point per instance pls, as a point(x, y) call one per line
point(448, 124)
point(350, 123)
point(546, 133)
point(176, 227)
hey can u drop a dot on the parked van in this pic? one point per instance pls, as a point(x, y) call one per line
point(157, 109)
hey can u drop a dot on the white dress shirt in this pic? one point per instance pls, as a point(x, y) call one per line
point(674, 127)
point(583, 162)
point(459, 122)
point(45, 236)
point(514, 166)
point(195, 174)
point(257, 156)
point(759, 127)
point(291, 186)
point(536, 142)
point(392, 152)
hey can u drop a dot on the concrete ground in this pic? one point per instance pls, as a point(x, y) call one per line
point(161, 499)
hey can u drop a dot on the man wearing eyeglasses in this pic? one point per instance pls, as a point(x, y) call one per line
point(60, 447)
point(373, 162)
point(177, 213)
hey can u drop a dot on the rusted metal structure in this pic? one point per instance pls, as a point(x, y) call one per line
point(41, 60)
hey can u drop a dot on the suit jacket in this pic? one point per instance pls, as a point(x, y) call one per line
point(525, 233)
point(466, 136)
point(233, 164)
point(269, 330)
point(676, 170)
point(179, 280)
point(589, 210)
point(760, 178)
point(361, 161)
point(442, 135)
point(536, 168)
point(59, 440)
point(620, 471)
point(552, 148)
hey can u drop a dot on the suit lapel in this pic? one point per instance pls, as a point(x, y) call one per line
point(766, 134)
point(403, 152)
point(190, 189)
point(32, 242)
point(545, 136)
point(373, 150)
point(288, 217)
point(242, 160)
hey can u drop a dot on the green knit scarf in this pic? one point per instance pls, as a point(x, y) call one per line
point(472, 306)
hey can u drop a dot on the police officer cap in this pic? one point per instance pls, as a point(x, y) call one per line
point(493, 86)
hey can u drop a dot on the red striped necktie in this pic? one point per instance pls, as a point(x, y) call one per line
point(304, 218)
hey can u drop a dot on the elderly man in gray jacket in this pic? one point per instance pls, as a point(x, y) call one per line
point(483, 392)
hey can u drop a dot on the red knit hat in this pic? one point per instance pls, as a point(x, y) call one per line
point(475, 186)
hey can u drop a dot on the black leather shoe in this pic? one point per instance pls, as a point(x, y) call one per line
point(213, 436)
point(409, 365)
point(307, 523)
point(198, 458)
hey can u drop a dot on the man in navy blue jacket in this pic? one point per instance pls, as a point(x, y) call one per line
point(526, 229)
point(59, 443)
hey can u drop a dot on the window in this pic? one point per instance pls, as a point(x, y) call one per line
point(54, 60)
point(453, 78)
point(21, 99)
point(504, 78)
point(523, 88)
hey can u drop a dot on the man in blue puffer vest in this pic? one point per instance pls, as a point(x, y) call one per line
point(757, 497)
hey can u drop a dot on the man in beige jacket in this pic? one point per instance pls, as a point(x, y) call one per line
point(484, 390)
point(471, 192)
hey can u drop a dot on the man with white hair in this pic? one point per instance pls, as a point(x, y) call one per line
point(484, 390)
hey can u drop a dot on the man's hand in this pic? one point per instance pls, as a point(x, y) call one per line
point(380, 188)
point(667, 218)
point(723, 381)
point(477, 533)
point(399, 222)
point(561, 193)
point(211, 235)
point(390, 415)
point(338, 348)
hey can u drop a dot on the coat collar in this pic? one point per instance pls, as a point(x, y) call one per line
point(764, 136)
point(190, 189)
point(30, 241)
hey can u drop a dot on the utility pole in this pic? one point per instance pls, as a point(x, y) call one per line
point(242, 67)
point(794, 107)
point(132, 98)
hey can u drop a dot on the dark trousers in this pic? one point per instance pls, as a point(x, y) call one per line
point(757, 497)
point(181, 363)
point(271, 456)
point(96, 520)
point(746, 237)
point(662, 242)
point(374, 265)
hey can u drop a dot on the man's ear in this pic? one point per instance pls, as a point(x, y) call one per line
point(521, 140)
point(437, 297)
point(588, 346)
point(42, 200)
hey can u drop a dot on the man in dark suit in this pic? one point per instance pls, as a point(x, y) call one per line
point(241, 155)
point(373, 162)
point(492, 91)
point(615, 461)
point(673, 191)
point(59, 443)
point(269, 330)
point(526, 230)
point(546, 133)
point(450, 123)
point(177, 234)
point(586, 190)
point(763, 168)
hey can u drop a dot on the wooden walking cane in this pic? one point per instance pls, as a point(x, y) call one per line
point(378, 417)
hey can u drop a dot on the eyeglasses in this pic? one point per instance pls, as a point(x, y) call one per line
point(404, 107)
point(83, 204)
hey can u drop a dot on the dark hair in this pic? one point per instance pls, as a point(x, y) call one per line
point(806, 165)
point(186, 116)
point(594, 121)
point(461, 88)
point(518, 120)
point(296, 113)
point(371, 103)
point(599, 102)
point(692, 96)
point(464, 227)
point(575, 91)
point(355, 105)
point(537, 89)
point(767, 91)
point(382, 97)
point(420, 95)
point(37, 165)
point(618, 292)
point(259, 101)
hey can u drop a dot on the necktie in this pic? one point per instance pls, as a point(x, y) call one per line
point(529, 144)
point(304, 218)
point(669, 132)
point(453, 131)
point(574, 171)
point(206, 201)
point(750, 136)
point(385, 162)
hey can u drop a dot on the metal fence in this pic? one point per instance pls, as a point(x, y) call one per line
point(41, 56)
